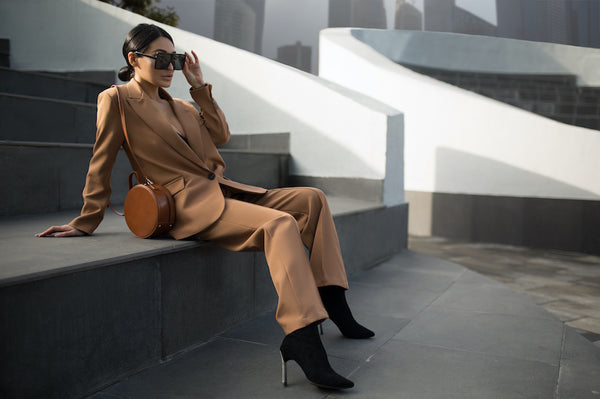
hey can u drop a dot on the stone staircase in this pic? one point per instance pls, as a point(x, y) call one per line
point(79, 314)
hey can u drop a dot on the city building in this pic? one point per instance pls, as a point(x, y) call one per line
point(357, 13)
point(296, 55)
point(240, 23)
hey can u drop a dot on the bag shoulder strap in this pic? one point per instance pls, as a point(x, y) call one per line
point(140, 176)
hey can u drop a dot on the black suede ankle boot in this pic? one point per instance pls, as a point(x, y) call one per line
point(305, 347)
point(334, 300)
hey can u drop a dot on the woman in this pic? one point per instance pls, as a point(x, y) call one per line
point(176, 147)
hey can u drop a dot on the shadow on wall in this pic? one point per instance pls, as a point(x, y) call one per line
point(566, 224)
point(461, 52)
point(304, 137)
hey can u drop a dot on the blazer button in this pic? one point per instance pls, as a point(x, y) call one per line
point(211, 176)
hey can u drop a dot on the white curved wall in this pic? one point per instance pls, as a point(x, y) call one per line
point(334, 132)
point(460, 142)
point(462, 52)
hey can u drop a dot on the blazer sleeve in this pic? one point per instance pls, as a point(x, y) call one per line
point(211, 114)
point(109, 138)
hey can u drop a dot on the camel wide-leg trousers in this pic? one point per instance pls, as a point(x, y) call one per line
point(282, 223)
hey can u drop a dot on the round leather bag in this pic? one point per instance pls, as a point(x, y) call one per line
point(149, 210)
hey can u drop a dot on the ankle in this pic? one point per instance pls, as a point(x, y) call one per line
point(334, 300)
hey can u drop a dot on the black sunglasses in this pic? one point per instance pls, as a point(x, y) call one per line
point(162, 60)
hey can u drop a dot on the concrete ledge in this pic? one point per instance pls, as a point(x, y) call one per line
point(26, 118)
point(81, 313)
point(49, 85)
point(49, 177)
point(364, 189)
point(259, 142)
point(103, 78)
point(565, 224)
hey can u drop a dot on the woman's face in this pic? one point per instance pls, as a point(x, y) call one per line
point(144, 66)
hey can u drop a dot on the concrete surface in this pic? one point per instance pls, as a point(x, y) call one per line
point(27, 258)
point(77, 314)
point(49, 177)
point(442, 331)
point(567, 284)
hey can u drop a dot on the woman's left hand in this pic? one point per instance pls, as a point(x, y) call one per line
point(192, 70)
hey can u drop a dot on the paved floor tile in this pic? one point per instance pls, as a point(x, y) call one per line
point(402, 303)
point(580, 368)
point(414, 261)
point(477, 293)
point(223, 369)
point(402, 370)
point(493, 334)
point(265, 330)
point(576, 306)
point(578, 349)
point(590, 324)
point(566, 284)
point(360, 349)
point(442, 331)
point(396, 276)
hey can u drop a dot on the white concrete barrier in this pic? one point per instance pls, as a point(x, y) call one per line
point(335, 133)
point(460, 142)
point(461, 52)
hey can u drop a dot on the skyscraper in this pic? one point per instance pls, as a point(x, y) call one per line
point(585, 23)
point(357, 13)
point(531, 19)
point(296, 55)
point(439, 15)
point(240, 23)
point(407, 17)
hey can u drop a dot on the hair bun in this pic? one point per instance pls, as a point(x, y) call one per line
point(126, 73)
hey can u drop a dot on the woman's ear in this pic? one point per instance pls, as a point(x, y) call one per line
point(132, 59)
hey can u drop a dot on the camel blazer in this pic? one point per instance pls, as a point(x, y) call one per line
point(192, 171)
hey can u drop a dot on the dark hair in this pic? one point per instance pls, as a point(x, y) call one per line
point(138, 39)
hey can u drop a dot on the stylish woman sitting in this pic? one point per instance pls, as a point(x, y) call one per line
point(176, 147)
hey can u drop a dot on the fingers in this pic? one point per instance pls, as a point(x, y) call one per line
point(192, 61)
point(70, 233)
point(48, 231)
point(192, 70)
point(60, 231)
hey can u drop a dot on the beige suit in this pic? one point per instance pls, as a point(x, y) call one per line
point(239, 217)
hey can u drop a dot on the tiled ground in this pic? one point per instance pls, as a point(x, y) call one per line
point(566, 284)
point(442, 331)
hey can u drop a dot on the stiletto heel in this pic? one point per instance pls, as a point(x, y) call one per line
point(304, 346)
point(283, 370)
point(334, 300)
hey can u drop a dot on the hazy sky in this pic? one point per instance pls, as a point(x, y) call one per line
point(289, 21)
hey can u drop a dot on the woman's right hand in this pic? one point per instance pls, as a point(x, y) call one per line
point(61, 231)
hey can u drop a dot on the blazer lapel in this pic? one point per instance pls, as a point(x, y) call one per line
point(189, 123)
point(150, 114)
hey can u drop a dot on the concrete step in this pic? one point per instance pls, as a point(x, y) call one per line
point(48, 85)
point(78, 314)
point(441, 331)
point(49, 177)
point(27, 118)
